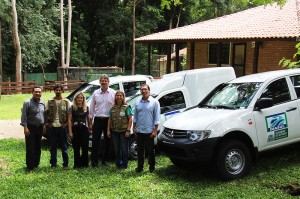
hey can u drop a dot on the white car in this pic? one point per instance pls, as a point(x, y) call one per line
point(236, 121)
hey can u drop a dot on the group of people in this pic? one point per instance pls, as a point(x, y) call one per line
point(108, 114)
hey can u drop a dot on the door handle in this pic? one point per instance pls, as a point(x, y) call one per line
point(291, 109)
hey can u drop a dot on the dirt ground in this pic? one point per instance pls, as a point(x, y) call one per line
point(11, 129)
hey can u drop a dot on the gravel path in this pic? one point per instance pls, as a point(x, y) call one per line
point(11, 129)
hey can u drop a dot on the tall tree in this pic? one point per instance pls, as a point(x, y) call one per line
point(62, 34)
point(0, 52)
point(69, 32)
point(133, 37)
point(16, 41)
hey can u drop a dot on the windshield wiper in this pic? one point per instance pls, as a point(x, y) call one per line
point(207, 106)
point(225, 107)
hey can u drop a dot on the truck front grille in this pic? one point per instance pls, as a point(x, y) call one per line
point(170, 133)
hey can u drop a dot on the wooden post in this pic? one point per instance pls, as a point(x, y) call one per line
point(255, 57)
point(169, 59)
point(192, 56)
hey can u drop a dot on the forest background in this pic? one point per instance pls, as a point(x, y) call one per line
point(102, 30)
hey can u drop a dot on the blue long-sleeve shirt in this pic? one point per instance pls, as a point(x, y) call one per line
point(147, 115)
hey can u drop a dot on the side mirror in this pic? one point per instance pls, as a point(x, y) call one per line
point(263, 103)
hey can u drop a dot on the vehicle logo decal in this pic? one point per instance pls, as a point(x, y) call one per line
point(277, 126)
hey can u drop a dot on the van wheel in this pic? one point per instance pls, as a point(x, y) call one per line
point(133, 148)
point(233, 160)
point(69, 141)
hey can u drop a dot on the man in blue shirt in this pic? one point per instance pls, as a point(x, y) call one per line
point(33, 120)
point(145, 124)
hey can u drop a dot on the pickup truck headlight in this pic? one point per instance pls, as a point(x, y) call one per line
point(198, 135)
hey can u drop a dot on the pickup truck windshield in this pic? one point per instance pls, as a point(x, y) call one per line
point(232, 96)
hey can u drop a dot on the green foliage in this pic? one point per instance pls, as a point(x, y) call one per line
point(288, 63)
point(166, 4)
point(38, 38)
point(183, 63)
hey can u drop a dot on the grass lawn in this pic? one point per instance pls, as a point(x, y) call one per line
point(271, 175)
point(274, 171)
point(10, 105)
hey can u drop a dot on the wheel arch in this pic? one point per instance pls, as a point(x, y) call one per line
point(243, 137)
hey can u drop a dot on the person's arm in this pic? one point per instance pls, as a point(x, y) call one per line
point(70, 123)
point(92, 106)
point(108, 128)
point(129, 116)
point(89, 121)
point(108, 124)
point(24, 118)
point(135, 120)
point(156, 119)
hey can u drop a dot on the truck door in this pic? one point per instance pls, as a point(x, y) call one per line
point(280, 123)
point(171, 104)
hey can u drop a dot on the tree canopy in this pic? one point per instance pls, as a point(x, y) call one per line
point(101, 30)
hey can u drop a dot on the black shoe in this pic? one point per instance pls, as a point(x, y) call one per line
point(94, 165)
point(53, 165)
point(29, 170)
point(138, 170)
point(65, 165)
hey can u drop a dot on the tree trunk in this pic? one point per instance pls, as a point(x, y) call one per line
point(69, 33)
point(16, 41)
point(0, 54)
point(62, 37)
point(133, 37)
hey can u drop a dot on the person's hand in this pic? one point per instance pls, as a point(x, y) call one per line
point(108, 133)
point(127, 134)
point(65, 125)
point(44, 129)
point(71, 135)
point(134, 131)
point(26, 131)
point(153, 134)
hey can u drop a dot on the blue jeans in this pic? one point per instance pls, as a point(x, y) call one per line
point(120, 143)
point(58, 136)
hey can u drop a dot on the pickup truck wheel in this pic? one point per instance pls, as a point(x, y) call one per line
point(233, 160)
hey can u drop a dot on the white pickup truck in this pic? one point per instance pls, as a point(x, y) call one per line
point(234, 122)
point(181, 90)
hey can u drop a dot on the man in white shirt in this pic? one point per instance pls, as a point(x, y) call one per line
point(101, 102)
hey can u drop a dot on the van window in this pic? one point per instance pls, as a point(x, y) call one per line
point(171, 102)
point(278, 90)
point(296, 82)
point(131, 88)
point(115, 87)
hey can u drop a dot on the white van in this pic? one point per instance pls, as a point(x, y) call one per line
point(234, 122)
point(181, 90)
point(130, 84)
